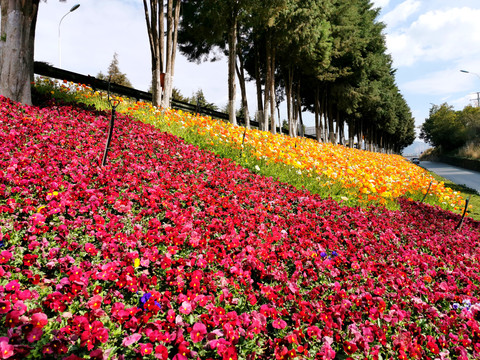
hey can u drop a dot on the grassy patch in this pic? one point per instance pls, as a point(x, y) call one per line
point(474, 204)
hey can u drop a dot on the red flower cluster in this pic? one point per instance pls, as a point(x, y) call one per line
point(171, 252)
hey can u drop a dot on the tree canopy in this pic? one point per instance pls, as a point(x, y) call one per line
point(448, 129)
point(114, 74)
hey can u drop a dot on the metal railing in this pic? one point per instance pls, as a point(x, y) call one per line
point(43, 69)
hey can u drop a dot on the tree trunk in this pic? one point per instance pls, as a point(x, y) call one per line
point(279, 118)
point(289, 98)
point(168, 57)
point(268, 64)
point(232, 58)
point(173, 19)
point(323, 109)
point(351, 133)
point(241, 79)
point(17, 38)
point(318, 119)
point(272, 90)
point(176, 21)
point(155, 25)
point(258, 82)
point(299, 108)
point(331, 133)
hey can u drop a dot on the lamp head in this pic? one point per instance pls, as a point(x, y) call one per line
point(465, 71)
point(75, 7)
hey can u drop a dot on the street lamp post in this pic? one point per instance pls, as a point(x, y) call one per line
point(469, 72)
point(478, 93)
point(75, 7)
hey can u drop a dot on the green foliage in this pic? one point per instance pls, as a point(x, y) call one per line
point(177, 95)
point(446, 128)
point(199, 98)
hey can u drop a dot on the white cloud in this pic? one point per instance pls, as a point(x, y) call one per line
point(401, 12)
point(441, 83)
point(380, 3)
point(440, 35)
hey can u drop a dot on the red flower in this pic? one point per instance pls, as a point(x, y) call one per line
point(349, 347)
point(39, 320)
point(230, 354)
point(29, 259)
point(5, 307)
point(432, 346)
point(5, 256)
point(146, 349)
point(95, 302)
point(161, 352)
point(12, 319)
point(35, 334)
point(91, 249)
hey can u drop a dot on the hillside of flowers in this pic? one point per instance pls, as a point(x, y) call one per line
point(170, 252)
point(364, 177)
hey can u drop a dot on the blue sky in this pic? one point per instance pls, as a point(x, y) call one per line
point(430, 42)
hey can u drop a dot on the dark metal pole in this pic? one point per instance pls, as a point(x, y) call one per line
point(429, 186)
point(110, 130)
point(460, 223)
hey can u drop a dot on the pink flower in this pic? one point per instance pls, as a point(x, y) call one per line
point(179, 357)
point(129, 340)
point(6, 349)
point(12, 286)
point(198, 332)
point(279, 324)
point(186, 308)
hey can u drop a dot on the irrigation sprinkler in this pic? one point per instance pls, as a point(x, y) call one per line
point(112, 121)
point(460, 223)
point(429, 186)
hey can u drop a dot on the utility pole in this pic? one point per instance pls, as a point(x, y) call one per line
point(477, 100)
point(478, 93)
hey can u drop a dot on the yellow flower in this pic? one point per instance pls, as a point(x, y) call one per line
point(136, 262)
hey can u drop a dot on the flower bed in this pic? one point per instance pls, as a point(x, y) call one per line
point(172, 252)
point(365, 176)
point(369, 176)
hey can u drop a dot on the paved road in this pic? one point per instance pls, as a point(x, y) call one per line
point(458, 175)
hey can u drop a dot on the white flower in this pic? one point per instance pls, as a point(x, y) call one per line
point(257, 167)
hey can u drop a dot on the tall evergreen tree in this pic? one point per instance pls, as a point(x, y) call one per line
point(114, 74)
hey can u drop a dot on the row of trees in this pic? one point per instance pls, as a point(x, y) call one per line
point(448, 129)
point(328, 57)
